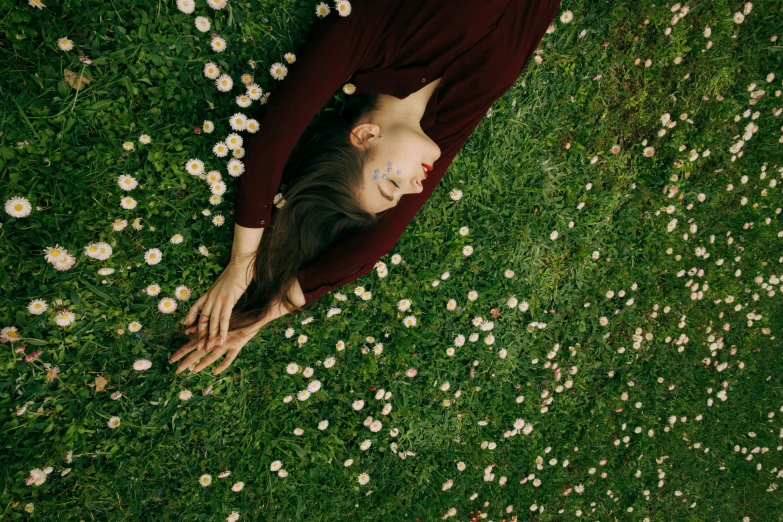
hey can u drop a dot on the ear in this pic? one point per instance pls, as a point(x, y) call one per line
point(364, 134)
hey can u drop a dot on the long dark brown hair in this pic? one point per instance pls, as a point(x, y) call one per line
point(322, 205)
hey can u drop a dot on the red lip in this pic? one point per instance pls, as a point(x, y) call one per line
point(428, 167)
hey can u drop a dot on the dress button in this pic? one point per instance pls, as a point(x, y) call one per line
point(423, 80)
point(309, 295)
point(265, 206)
point(262, 222)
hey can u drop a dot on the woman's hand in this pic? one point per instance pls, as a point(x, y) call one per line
point(218, 302)
point(235, 339)
point(234, 342)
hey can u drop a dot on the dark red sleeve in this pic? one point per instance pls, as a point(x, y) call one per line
point(334, 50)
point(494, 68)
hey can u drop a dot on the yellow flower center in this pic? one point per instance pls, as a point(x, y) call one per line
point(56, 253)
point(18, 206)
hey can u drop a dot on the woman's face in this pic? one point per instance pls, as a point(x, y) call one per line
point(395, 170)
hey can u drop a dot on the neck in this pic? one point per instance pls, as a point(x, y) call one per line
point(391, 109)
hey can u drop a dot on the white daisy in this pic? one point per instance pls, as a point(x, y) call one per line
point(153, 256)
point(218, 44)
point(182, 293)
point(238, 121)
point(37, 306)
point(186, 6)
point(278, 70)
point(224, 83)
point(65, 44)
point(55, 253)
point(167, 305)
point(127, 182)
point(18, 207)
point(65, 318)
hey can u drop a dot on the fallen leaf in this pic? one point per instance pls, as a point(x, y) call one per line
point(77, 82)
point(100, 383)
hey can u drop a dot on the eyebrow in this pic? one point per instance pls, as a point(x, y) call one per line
point(384, 195)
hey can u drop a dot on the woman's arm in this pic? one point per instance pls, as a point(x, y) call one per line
point(246, 241)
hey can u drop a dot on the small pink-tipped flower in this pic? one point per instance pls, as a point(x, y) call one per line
point(208, 390)
point(32, 356)
point(411, 372)
point(142, 364)
point(224, 474)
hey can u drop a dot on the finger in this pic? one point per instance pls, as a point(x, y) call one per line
point(225, 318)
point(204, 319)
point(193, 312)
point(214, 325)
point(190, 359)
point(213, 356)
point(183, 351)
point(230, 356)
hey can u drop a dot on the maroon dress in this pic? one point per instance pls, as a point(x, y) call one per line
point(477, 47)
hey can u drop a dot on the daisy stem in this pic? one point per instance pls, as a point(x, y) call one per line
point(77, 90)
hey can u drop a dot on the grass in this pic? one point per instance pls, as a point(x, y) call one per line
point(658, 365)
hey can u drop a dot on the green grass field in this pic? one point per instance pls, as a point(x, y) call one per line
point(596, 284)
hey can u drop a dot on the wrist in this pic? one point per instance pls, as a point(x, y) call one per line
point(241, 259)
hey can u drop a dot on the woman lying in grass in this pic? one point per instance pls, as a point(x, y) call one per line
point(421, 75)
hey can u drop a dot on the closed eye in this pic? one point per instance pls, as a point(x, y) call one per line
point(395, 184)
